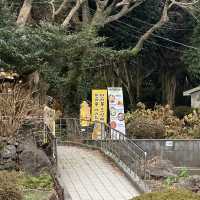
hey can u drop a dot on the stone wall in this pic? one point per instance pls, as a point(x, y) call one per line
point(183, 153)
point(9, 151)
point(23, 155)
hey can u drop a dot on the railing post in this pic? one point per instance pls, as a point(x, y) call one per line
point(102, 134)
point(60, 120)
point(55, 151)
point(145, 164)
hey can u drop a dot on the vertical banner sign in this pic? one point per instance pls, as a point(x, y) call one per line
point(85, 114)
point(99, 111)
point(116, 107)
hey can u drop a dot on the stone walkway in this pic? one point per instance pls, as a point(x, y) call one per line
point(88, 175)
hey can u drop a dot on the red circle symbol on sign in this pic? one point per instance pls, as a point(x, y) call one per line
point(113, 124)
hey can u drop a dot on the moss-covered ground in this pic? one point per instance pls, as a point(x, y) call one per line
point(20, 186)
point(35, 188)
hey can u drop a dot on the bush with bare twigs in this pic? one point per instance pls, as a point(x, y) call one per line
point(16, 104)
point(8, 186)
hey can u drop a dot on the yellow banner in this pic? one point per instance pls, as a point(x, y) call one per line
point(99, 105)
point(85, 114)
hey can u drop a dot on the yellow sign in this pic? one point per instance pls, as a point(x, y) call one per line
point(99, 111)
point(85, 114)
point(99, 106)
point(96, 134)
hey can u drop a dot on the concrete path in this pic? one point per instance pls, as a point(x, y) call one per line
point(88, 175)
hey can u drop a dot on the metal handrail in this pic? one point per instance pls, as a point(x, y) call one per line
point(111, 142)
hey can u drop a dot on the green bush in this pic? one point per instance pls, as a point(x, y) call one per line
point(183, 173)
point(8, 186)
point(169, 195)
point(44, 181)
point(181, 111)
point(170, 180)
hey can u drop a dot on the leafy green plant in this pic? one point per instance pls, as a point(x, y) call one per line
point(170, 180)
point(183, 173)
point(43, 181)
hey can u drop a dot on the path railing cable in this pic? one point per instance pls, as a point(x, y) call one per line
point(113, 143)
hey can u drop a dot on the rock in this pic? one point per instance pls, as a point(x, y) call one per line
point(191, 183)
point(11, 141)
point(20, 148)
point(33, 160)
point(8, 165)
point(9, 151)
point(53, 196)
point(3, 139)
point(158, 172)
point(161, 168)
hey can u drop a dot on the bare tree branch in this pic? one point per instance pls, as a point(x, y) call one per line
point(180, 3)
point(72, 13)
point(53, 9)
point(62, 6)
point(103, 13)
point(101, 5)
point(164, 19)
point(115, 17)
point(24, 13)
point(17, 104)
point(125, 9)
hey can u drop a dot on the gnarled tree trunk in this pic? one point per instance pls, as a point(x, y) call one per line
point(169, 87)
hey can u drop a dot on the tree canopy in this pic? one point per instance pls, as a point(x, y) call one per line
point(143, 46)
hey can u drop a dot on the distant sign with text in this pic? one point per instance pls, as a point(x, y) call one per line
point(116, 107)
point(99, 105)
point(99, 111)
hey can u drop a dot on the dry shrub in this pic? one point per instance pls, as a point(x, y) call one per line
point(8, 186)
point(181, 111)
point(159, 122)
point(16, 103)
point(141, 127)
point(192, 122)
point(169, 195)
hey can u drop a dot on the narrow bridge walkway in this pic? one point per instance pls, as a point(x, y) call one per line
point(88, 175)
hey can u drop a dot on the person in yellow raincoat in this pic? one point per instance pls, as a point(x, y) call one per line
point(85, 116)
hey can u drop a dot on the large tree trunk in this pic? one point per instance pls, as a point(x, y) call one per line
point(138, 83)
point(24, 13)
point(131, 96)
point(169, 87)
